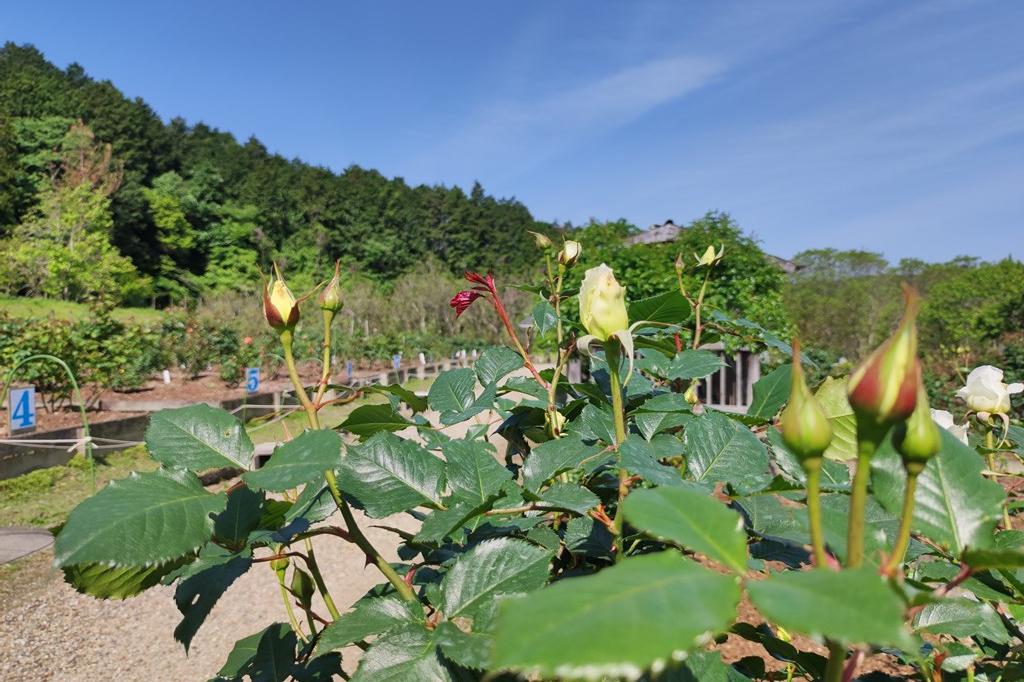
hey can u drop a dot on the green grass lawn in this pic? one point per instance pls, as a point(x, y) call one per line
point(66, 310)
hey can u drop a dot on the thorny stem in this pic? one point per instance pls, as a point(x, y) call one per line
point(325, 372)
point(906, 518)
point(499, 307)
point(868, 439)
point(314, 570)
point(354, 531)
point(698, 328)
point(563, 353)
point(611, 352)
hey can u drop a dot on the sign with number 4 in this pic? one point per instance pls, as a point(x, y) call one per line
point(22, 408)
point(252, 379)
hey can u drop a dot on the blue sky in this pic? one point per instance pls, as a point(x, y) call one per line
point(892, 126)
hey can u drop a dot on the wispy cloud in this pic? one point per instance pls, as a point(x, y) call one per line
point(523, 132)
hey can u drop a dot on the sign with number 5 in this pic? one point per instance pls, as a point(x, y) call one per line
point(252, 379)
point(22, 408)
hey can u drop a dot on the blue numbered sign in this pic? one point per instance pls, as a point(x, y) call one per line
point(348, 369)
point(252, 379)
point(22, 408)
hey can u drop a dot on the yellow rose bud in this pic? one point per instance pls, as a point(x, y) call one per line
point(279, 305)
point(691, 395)
point(884, 387)
point(570, 253)
point(805, 428)
point(918, 438)
point(602, 303)
point(542, 240)
point(330, 297)
point(710, 257)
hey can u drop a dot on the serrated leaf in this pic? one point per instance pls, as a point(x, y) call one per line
point(834, 475)
point(640, 458)
point(527, 386)
point(569, 496)
point(594, 423)
point(415, 402)
point(662, 413)
point(962, 618)
point(241, 655)
point(544, 317)
point(770, 393)
point(298, 461)
point(692, 520)
point(954, 505)
point(831, 395)
point(202, 583)
point(721, 449)
point(165, 514)
point(617, 622)
point(693, 364)
point(470, 650)
point(818, 603)
point(198, 437)
point(495, 362)
point(240, 517)
point(369, 616)
point(555, 456)
point(441, 524)
point(402, 656)
point(669, 307)
point(120, 582)
point(492, 568)
point(313, 505)
point(274, 660)
point(387, 475)
point(474, 474)
point(452, 391)
point(366, 420)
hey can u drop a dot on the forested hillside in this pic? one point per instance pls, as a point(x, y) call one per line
point(97, 194)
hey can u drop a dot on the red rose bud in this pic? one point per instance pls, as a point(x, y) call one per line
point(279, 305)
point(463, 300)
point(884, 387)
point(476, 278)
point(330, 298)
point(918, 439)
point(805, 428)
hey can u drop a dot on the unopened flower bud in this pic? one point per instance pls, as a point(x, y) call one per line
point(680, 265)
point(542, 240)
point(918, 438)
point(603, 303)
point(690, 395)
point(883, 388)
point(710, 257)
point(279, 564)
point(330, 297)
point(554, 422)
point(805, 428)
point(570, 253)
point(279, 305)
point(302, 587)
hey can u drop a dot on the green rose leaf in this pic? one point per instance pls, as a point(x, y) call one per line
point(369, 616)
point(266, 655)
point(770, 393)
point(555, 456)
point(495, 363)
point(669, 307)
point(166, 513)
point(962, 618)
point(366, 420)
point(120, 582)
point(200, 585)
point(855, 606)
point(298, 461)
point(955, 505)
point(831, 396)
point(240, 517)
point(198, 437)
point(387, 475)
point(474, 475)
point(491, 568)
point(722, 449)
point(404, 655)
point(693, 520)
point(615, 623)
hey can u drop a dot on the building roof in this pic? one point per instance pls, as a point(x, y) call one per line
point(668, 231)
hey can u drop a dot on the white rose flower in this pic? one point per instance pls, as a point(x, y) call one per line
point(986, 392)
point(945, 420)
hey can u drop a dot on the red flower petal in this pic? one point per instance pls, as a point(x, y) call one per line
point(463, 300)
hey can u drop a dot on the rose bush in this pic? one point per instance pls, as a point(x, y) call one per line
point(598, 530)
